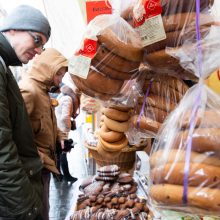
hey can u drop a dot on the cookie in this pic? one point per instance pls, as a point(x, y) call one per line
point(109, 169)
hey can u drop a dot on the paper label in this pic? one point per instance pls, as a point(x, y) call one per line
point(79, 64)
point(95, 8)
point(151, 31)
point(148, 21)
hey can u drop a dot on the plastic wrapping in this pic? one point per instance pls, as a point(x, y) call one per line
point(185, 157)
point(89, 104)
point(161, 94)
point(166, 27)
point(108, 59)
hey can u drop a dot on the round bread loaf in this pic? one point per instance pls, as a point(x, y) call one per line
point(110, 59)
point(156, 114)
point(203, 140)
point(145, 123)
point(102, 84)
point(174, 7)
point(199, 174)
point(86, 90)
point(204, 119)
point(112, 73)
point(122, 49)
point(115, 114)
point(115, 146)
point(156, 101)
point(200, 197)
point(162, 157)
point(109, 135)
point(116, 125)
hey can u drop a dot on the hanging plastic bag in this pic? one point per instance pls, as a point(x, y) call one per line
point(185, 156)
point(185, 176)
point(161, 94)
point(109, 57)
point(169, 25)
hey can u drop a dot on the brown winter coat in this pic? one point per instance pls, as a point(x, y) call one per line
point(34, 87)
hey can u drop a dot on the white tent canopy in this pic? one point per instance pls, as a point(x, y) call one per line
point(65, 18)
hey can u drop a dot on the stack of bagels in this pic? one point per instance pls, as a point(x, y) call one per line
point(165, 92)
point(114, 124)
point(117, 60)
point(179, 20)
point(168, 165)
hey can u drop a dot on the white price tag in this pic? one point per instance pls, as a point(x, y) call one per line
point(152, 30)
point(79, 65)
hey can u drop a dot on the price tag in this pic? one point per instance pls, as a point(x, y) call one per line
point(151, 31)
point(148, 21)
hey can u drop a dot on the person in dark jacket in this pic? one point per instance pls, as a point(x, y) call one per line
point(23, 35)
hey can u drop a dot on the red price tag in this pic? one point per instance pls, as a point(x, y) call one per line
point(146, 10)
point(89, 50)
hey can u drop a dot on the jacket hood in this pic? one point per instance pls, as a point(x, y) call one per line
point(46, 65)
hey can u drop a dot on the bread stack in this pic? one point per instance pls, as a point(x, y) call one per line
point(111, 136)
point(165, 92)
point(117, 59)
point(179, 21)
point(203, 177)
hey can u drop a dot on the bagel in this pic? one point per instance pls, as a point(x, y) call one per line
point(121, 108)
point(114, 61)
point(116, 125)
point(161, 157)
point(115, 114)
point(201, 197)
point(158, 102)
point(86, 90)
point(108, 71)
point(203, 140)
point(109, 135)
point(106, 155)
point(115, 146)
point(161, 59)
point(199, 174)
point(102, 84)
point(116, 45)
point(145, 123)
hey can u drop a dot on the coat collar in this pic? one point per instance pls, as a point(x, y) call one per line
point(7, 52)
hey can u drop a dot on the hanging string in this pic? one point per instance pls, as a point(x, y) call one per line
point(195, 107)
point(143, 105)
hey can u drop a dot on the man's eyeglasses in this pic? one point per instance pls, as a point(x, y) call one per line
point(37, 40)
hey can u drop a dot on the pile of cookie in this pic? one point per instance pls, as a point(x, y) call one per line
point(112, 197)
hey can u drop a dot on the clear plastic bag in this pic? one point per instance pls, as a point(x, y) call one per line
point(185, 164)
point(161, 94)
point(169, 28)
point(109, 58)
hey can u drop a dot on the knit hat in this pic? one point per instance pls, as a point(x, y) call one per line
point(27, 18)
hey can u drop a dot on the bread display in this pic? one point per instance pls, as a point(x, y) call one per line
point(116, 59)
point(164, 94)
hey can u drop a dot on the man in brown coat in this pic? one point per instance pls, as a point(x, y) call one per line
point(47, 71)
